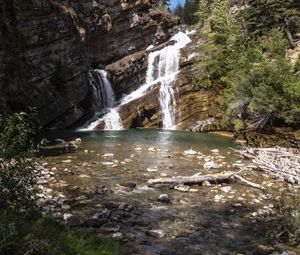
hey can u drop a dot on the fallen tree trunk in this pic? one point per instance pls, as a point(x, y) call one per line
point(225, 177)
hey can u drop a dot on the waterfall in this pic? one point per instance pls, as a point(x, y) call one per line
point(104, 95)
point(162, 70)
point(163, 67)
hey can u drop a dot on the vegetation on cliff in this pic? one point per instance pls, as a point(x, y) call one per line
point(22, 228)
point(246, 54)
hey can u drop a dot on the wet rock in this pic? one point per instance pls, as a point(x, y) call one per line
point(190, 152)
point(206, 183)
point(225, 189)
point(57, 141)
point(67, 161)
point(128, 187)
point(108, 155)
point(73, 188)
point(152, 169)
point(117, 236)
point(66, 207)
point(237, 205)
point(164, 198)
point(111, 205)
point(157, 233)
point(210, 165)
point(101, 189)
point(105, 213)
point(183, 188)
point(78, 141)
point(110, 227)
point(123, 206)
point(66, 216)
point(82, 197)
point(71, 147)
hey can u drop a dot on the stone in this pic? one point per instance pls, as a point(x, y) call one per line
point(237, 205)
point(66, 216)
point(110, 227)
point(157, 233)
point(65, 207)
point(210, 165)
point(117, 236)
point(123, 206)
point(206, 183)
point(183, 188)
point(152, 169)
point(164, 198)
point(108, 155)
point(190, 152)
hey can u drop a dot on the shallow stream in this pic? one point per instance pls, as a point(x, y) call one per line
point(110, 170)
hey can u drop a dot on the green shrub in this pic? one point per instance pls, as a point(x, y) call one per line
point(16, 174)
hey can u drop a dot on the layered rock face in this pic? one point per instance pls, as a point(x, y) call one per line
point(48, 47)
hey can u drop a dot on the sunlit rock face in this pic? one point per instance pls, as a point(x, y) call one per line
point(48, 47)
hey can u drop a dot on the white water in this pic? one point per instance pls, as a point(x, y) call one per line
point(162, 70)
point(112, 119)
point(163, 67)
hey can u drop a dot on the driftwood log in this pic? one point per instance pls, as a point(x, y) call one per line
point(279, 162)
point(226, 177)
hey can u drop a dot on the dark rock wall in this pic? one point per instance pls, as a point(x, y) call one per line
point(47, 48)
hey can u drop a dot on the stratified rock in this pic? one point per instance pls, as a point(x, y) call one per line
point(46, 48)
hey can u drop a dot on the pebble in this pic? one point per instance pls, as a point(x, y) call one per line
point(210, 165)
point(206, 183)
point(66, 161)
point(66, 207)
point(236, 205)
point(108, 155)
point(225, 189)
point(152, 169)
point(66, 216)
point(108, 163)
point(164, 198)
point(117, 236)
point(183, 188)
point(190, 152)
point(78, 140)
point(157, 233)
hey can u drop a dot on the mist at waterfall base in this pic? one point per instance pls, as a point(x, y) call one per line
point(162, 69)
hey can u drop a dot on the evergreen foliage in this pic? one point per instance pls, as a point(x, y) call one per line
point(246, 54)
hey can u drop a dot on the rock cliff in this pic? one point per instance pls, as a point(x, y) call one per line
point(48, 47)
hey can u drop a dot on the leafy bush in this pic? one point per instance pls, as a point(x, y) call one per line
point(16, 174)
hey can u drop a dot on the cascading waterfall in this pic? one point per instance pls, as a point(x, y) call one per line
point(163, 67)
point(162, 70)
point(105, 95)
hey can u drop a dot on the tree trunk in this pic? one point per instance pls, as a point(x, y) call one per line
point(225, 177)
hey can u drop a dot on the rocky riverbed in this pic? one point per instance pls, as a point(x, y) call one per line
point(102, 186)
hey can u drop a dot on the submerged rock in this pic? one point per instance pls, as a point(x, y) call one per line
point(164, 198)
point(210, 165)
point(157, 233)
point(190, 152)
